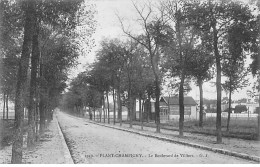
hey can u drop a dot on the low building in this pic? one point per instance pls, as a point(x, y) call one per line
point(169, 108)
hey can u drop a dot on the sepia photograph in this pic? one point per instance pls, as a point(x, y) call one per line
point(129, 82)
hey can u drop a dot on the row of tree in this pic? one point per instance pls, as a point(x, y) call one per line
point(181, 41)
point(39, 43)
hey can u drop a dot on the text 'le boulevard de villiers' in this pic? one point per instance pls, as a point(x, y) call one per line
point(129, 82)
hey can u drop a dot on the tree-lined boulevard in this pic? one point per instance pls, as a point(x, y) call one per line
point(177, 43)
point(89, 143)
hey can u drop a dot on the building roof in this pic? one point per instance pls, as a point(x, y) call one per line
point(188, 100)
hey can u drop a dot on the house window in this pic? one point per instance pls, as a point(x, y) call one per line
point(163, 111)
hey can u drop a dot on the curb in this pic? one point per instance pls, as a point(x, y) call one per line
point(67, 156)
point(216, 150)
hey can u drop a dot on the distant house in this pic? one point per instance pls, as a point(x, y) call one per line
point(169, 108)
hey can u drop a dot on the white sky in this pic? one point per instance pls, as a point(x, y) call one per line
point(108, 26)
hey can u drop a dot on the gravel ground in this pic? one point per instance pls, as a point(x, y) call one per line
point(5, 155)
point(90, 143)
point(48, 150)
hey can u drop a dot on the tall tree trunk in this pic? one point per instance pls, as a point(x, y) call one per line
point(7, 108)
point(148, 108)
point(134, 109)
point(229, 108)
point(48, 106)
point(48, 111)
point(42, 115)
point(30, 18)
point(157, 105)
point(94, 113)
point(128, 113)
point(103, 100)
point(4, 107)
point(41, 101)
point(181, 106)
point(130, 108)
point(114, 113)
point(169, 108)
point(218, 83)
point(33, 85)
point(154, 57)
point(258, 127)
point(100, 114)
point(108, 113)
point(142, 120)
point(102, 108)
point(201, 103)
point(182, 77)
point(140, 111)
point(119, 105)
point(140, 107)
point(36, 120)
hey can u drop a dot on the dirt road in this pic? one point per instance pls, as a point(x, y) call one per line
point(90, 143)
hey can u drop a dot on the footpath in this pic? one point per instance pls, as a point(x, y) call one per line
point(246, 149)
point(51, 149)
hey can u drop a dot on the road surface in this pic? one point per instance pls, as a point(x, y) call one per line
point(90, 143)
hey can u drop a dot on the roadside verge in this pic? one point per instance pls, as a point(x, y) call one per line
point(160, 137)
point(67, 155)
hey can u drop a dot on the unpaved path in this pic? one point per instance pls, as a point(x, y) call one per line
point(90, 143)
point(49, 150)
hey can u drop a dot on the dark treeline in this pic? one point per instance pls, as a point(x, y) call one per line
point(39, 43)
